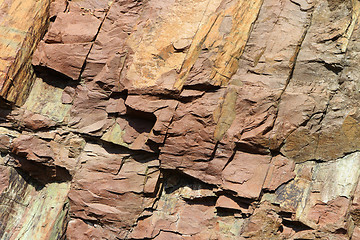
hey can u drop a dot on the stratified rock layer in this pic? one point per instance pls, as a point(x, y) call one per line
point(23, 23)
point(206, 119)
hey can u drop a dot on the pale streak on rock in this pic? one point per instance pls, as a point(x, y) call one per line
point(51, 201)
point(322, 189)
point(21, 203)
point(264, 69)
point(209, 36)
point(46, 100)
point(26, 23)
point(339, 178)
point(330, 137)
point(152, 41)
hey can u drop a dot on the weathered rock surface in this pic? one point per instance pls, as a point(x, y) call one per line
point(22, 26)
point(206, 119)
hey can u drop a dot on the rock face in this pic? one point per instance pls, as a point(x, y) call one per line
point(22, 26)
point(206, 119)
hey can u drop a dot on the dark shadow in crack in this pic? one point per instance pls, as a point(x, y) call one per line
point(54, 78)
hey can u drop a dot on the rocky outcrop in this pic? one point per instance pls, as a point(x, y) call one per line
point(22, 26)
point(210, 119)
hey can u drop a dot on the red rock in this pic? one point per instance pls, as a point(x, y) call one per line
point(116, 196)
point(36, 121)
point(4, 177)
point(245, 174)
point(79, 230)
point(116, 106)
point(68, 95)
point(281, 171)
point(183, 119)
point(313, 234)
point(168, 235)
point(190, 143)
point(356, 234)
point(88, 112)
point(330, 216)
point(57, 57)
point(111, 39)
point(44, 161)
point(162, 110)
point(57, 6)
point(5, 142)
point(263, 224)
point(228, 203)
point(73, 27)
point(32, 148)
point(68, 42)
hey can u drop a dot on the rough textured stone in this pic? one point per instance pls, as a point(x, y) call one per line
point(22, 26)
point(206, 119)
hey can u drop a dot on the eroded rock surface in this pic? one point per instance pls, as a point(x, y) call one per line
point(206, 119)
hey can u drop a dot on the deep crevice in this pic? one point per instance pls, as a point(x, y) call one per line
point(93, 42)
point(333, 67)
point(296, 225)
point(53, 77)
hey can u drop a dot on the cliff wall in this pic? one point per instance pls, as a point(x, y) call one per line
point(179, 119)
